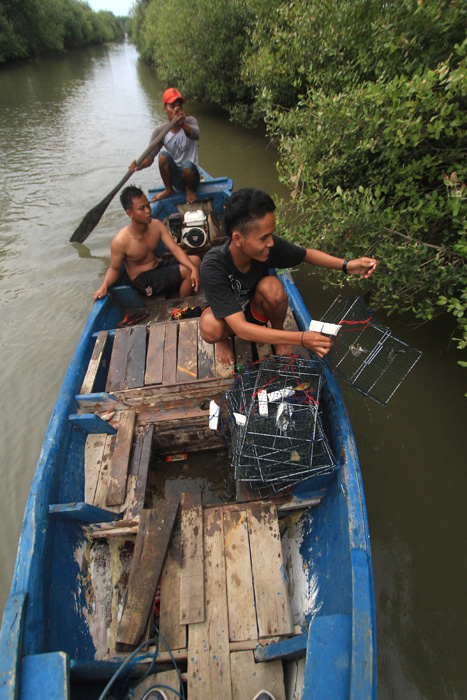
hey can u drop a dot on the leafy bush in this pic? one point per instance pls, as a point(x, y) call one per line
point(381, 170)
point(35, 26)
point(202, 55)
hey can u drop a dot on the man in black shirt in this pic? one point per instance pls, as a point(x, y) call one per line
point(242, 296)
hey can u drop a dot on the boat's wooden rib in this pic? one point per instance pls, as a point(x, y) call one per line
point(120, 459)
point(94, 363)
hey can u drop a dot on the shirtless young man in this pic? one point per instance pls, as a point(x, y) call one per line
point(241, 294)
point(178, 153)
point(135, 244)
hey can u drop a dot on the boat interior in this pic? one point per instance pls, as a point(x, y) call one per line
point(198, 570)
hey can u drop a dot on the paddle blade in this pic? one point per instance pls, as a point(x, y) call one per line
point(91, 220)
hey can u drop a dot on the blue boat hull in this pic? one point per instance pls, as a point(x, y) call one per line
point(46, 645)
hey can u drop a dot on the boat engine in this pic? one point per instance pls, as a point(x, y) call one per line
point(195, 229)
point(175, 225)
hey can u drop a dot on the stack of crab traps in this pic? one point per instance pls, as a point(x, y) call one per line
point(277, 434)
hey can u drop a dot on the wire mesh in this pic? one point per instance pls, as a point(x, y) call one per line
point(278, 437)
point(367, 355)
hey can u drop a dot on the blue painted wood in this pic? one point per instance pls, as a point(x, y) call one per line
point(83, 513)
point(348, 533)
point(292, 648)
point(98, 397)
point(11, 638)
point(327, 671)
point(90, 423)
point(45, 676)
point(32, 573)
point(126, 297)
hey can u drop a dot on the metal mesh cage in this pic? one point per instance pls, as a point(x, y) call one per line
point(278, 437)
point(367, 355)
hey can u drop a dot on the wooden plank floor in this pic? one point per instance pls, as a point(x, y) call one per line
point(239, 598)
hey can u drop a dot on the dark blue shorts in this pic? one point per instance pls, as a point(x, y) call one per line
point(176, 176)
point(166, 277)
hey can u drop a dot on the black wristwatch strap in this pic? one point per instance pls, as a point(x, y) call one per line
point(344, 267)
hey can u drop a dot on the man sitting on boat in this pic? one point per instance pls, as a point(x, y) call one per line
point(178, 162)
point(242, 296)
point(135, 244)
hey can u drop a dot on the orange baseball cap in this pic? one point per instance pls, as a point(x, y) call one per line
point(170, 95)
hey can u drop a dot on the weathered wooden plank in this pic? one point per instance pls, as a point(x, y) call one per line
point(121, 456)
point(208, 641)
point(94, 363)
point(148, 557)
point(155, 355)
point(136, 359)
point(192, 564)
point(243, 352)
point(272, 600)
point(102, 482)
point(187, 357)
point(118, 359)
point(93, 455)
point(206, 367)
point(249, 678)
point(138, 471)
point(169, 372)
point(170, 628)
point(240, 597)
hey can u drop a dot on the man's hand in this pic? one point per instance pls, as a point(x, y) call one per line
point(180, 114)
point(195, 279)
point(362, 266)
point(317, 343)
point(133, 167)
point(100, 293)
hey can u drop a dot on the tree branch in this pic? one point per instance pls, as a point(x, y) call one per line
point(413, 240)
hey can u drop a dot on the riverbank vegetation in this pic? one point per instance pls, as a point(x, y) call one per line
point(34, 27)
point(367, 103)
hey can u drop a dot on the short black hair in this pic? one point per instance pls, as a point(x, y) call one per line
point(244, 208)
point(128, 195)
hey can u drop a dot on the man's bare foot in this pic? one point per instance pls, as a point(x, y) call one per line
point(283, 349)
point(224, 352)
point(190, 196)
point(168, 192)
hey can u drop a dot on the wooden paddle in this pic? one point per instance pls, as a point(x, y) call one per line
point(93, 217)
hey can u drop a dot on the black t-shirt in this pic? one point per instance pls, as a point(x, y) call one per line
point(228, 290)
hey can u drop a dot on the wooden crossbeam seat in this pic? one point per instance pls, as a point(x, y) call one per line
point(165, 352)
point(223, 594)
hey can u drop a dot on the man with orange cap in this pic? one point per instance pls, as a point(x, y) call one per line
point(178, 152)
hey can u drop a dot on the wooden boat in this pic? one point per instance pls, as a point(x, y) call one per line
point(271, 593)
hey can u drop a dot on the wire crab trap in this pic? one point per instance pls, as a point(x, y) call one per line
point(277, 436)
point(367, 355)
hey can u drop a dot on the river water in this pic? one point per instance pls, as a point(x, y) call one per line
point(69, 126)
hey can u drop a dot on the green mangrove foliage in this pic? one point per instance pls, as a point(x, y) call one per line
point(33, 27)
point(195, 45)
point(366, 101)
